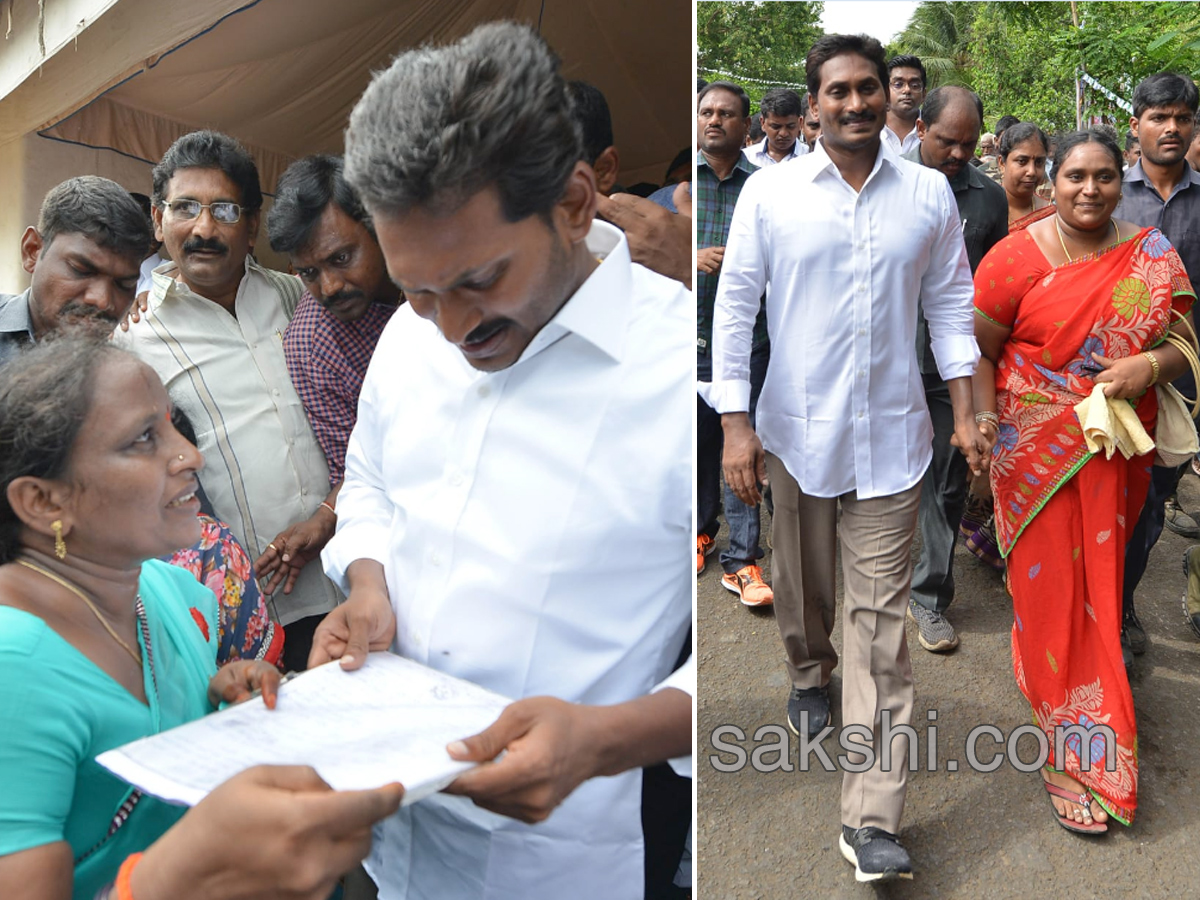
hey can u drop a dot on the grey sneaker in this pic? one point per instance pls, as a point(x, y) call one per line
point(876, 854)
point(934, 630)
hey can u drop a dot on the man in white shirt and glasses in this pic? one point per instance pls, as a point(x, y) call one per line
point(906, 80)
point(842, 417)
point(517, 503)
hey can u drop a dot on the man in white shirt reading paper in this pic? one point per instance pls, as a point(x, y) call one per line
point(517, 502)
point(842, 417)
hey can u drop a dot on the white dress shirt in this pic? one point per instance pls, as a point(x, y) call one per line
point(535, 529)
point(900, 147)
point(263, 469)
point(843, 405)
point(146, 273)
point(757, 153)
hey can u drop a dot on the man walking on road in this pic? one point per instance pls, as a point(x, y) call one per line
point(848, 238)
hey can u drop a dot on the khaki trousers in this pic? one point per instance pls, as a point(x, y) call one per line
point(876, 542)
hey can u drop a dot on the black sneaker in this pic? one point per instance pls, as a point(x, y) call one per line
point(814, 701)
point(1126, 650)
point(1134, 632)
point(875, 854)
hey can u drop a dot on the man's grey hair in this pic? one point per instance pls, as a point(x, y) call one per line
point(443, 123)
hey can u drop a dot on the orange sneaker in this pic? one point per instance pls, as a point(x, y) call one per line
point(705, 546)
point(747, 582)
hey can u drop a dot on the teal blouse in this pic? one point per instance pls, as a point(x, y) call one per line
point(58, 711)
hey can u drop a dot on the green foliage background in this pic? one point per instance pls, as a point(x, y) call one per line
point(1021, 57)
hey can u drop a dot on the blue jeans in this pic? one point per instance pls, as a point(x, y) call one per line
point(743, 520)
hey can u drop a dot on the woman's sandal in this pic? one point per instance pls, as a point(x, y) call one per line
point(1083, 800)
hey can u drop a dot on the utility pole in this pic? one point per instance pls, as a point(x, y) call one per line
point(1078, 80)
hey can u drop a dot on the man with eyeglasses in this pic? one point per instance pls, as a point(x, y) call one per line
point(82, 257)
point(906, 78)
point(213, 330)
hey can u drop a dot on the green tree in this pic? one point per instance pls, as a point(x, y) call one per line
point(940, 35)
point(756, 44)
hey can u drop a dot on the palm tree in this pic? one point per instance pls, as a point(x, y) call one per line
point(939, 33)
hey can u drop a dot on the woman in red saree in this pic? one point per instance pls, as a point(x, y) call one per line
point(1073, 300)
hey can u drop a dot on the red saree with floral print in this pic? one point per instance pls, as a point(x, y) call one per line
point(1061, 514)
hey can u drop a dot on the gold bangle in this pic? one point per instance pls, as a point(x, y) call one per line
point(1153, 360)
point(330, 508)
point(987, 416)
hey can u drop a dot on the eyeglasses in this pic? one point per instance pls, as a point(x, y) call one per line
point(914, 85)
point(222, 211)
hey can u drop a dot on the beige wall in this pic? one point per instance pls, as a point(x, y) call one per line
point(33, 165)
point(12, 215)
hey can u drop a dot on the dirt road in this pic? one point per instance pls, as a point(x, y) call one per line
point(971, 835)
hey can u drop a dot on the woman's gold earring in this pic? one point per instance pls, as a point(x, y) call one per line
point(60, 546)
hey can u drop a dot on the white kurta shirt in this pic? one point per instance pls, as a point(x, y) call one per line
point(263, 469)
point(843, 404)
point(757, 153)
point(900, 147)
point(535, 528)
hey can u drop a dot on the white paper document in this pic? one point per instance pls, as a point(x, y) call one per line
point(388, 721)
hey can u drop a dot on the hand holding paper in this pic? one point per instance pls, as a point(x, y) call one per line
point(363, 623)
point(294, 837)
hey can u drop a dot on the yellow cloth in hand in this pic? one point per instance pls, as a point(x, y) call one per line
point(1111, 425)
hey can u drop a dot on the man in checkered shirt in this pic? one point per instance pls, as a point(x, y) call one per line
point(319, 222)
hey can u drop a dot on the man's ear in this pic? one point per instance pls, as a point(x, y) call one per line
point(31, 249)
point(1133, 127)
point(252, 220)
point(606, 166)
point(156, 215)
point(921, 129)
point(38, 502)
point(577, 207)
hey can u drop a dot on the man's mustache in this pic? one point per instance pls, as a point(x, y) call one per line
point(856, 118)
point(80, 312)
point(341, 296)
point(211, 245)
point(486, 330)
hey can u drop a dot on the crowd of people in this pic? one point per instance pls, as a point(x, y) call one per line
point(899, 330)
point(420, 442)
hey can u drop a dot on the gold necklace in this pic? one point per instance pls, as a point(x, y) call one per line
point(1063, 243)
point(137, 658)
